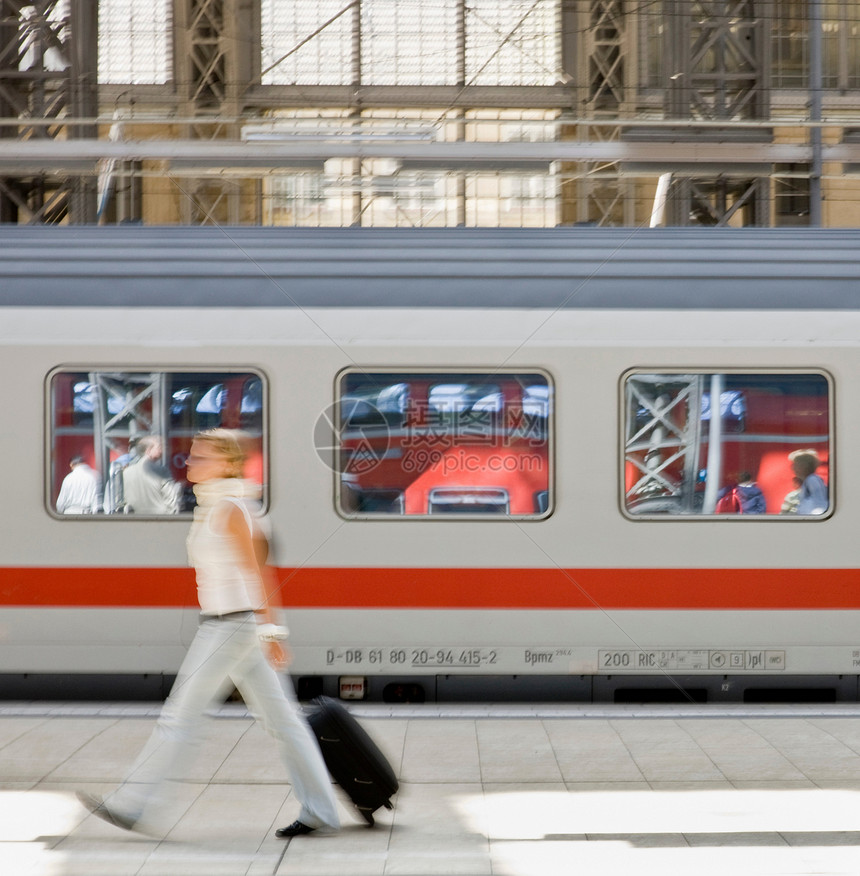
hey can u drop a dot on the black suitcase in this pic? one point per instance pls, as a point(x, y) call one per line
point(352, 757)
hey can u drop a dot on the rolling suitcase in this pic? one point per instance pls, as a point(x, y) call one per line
point(352, 757)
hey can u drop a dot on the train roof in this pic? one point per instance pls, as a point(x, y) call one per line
point(571, 267)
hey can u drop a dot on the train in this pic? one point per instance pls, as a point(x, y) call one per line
point(499, 464)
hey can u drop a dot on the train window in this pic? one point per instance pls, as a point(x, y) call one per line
point(129, 432)
point(743, 446)
point(444, 444)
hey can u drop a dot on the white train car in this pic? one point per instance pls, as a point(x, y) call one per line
point(511, 464)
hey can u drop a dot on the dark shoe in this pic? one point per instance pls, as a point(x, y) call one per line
point(99, 808)
point(295, 829)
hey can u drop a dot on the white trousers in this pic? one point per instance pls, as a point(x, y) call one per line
point(226, 652)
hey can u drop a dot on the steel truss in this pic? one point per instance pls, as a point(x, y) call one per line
point(609, 48)
point(48, 70)
point(720, 64)
point(718, 200)
point(661, 448)
point(217, 50)
point(126, 406)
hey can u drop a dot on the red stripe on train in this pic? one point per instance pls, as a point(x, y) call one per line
point(455, 588)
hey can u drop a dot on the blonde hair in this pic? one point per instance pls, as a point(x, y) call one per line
point(231, 444)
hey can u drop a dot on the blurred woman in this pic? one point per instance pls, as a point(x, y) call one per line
point(238, 643)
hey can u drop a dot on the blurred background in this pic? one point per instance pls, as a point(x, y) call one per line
point(519, 113)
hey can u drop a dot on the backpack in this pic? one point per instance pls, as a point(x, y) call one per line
point(729, 504)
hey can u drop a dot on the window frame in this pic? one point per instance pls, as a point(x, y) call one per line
point(52, 464)
point(753, 371)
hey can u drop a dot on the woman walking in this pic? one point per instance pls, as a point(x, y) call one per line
point(238, 643)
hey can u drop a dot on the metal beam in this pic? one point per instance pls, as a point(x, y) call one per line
point(815, 88)
point(57, 154)
point(263, 97)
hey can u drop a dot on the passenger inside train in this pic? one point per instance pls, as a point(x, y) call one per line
point(686, 455)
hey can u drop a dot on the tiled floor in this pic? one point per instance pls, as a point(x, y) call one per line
point(519, 791)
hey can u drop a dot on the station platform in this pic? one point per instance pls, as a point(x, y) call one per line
point(516, 790)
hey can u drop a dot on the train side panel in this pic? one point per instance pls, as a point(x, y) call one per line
point(583, 589)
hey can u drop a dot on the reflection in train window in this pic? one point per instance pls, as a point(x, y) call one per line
point(466, 500)
point(768, 453)
point(131, 431)
point(444, 444)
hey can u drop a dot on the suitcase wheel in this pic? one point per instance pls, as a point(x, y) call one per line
point(367, 815)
